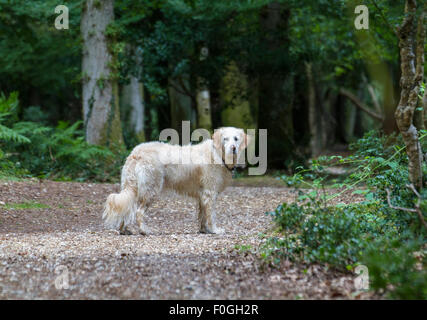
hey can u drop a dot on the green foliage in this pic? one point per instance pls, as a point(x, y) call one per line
point(43, 63)
point(33, 149)
point(8, 114)
point(391, 243)
point(335, 235)
point(398, 267)
point(26, 205)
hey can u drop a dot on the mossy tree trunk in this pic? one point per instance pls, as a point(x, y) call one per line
point(412, 66)
point(422, 102)
point(235, 99)
point(101, 112)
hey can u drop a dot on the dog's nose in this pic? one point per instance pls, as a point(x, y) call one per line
point(233, 148)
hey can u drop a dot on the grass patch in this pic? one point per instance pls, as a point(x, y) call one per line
point(26, 205)
point(6, 177)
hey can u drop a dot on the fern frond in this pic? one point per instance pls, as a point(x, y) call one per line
point(10, 135)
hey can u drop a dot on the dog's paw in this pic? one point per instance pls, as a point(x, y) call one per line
point(212, 231)
point(125, 232)
point(144, 230)
point(218, 231)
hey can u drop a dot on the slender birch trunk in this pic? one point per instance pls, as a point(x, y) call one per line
point(313, 119)
point(203, 99)
point(133, 97)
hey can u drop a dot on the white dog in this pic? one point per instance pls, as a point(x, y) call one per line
point(199, 171)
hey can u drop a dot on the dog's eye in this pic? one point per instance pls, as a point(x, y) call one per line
point(235, 138)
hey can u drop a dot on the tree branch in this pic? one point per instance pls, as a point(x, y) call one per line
point(383, 17)
point(395, 207)
point(356, 101)
point(374, 98)
point(417, 209)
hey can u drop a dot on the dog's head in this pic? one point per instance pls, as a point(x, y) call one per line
point(230, 142)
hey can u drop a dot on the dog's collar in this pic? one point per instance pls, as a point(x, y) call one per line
point(232, 170)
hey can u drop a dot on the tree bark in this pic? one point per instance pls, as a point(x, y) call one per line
point(314, 116)
point(180, 102)
point(410, 83)
point(101, 112)
point(203, 99)
point(133, 97)
point(421, 35)
point(276, 86)
point(235, 99)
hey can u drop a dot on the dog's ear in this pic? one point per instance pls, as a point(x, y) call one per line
point(216, 137)
point(245, 140)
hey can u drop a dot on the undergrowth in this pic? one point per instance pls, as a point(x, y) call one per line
point(390, 242)
point(33, 149)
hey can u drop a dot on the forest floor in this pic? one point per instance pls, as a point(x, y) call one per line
point(51, 232)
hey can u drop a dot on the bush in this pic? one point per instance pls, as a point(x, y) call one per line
point(398, 267)
point(332, 235)
point(32, 149)
point(391, 243)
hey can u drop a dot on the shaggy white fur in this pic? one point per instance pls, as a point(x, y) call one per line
point(199, 171)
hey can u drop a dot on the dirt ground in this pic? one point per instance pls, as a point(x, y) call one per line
point(53, 246)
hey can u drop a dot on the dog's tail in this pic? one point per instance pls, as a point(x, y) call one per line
point(120, 209)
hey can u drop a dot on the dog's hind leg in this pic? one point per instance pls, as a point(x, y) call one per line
point(150, 183)
point(140, 220)
point(119, 210)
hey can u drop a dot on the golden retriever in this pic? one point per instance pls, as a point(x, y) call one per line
point(200, 171)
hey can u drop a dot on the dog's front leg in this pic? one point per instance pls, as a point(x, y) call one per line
point(207, 214)
point(124, 230)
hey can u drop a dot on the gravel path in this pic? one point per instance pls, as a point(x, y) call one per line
point(53, 246)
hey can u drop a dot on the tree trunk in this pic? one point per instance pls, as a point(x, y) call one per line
point(235, 99)
point(421, 35)
point(314, 117)
point(424, 104)
point(133, 98)
point(276, 86)
point(358, 103)
point(203, 99)
point(180, 102)
point(101, 112)
point(410, 82)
